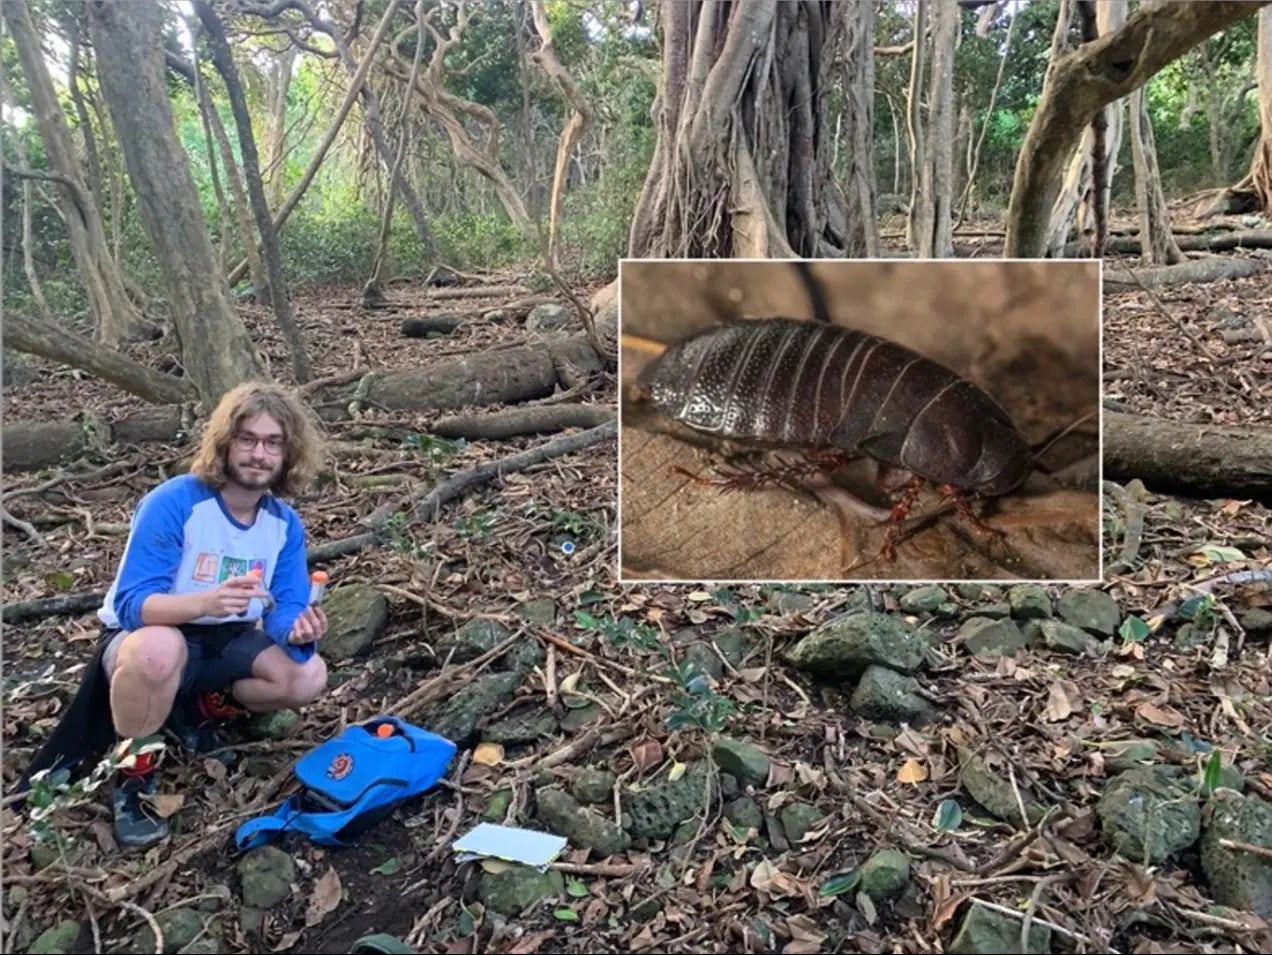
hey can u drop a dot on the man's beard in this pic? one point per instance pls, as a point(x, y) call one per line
point(256, 481)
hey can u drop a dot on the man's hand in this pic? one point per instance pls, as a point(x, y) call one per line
point(233, 595)
point(309, 626)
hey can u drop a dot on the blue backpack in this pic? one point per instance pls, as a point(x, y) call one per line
point(351, 782)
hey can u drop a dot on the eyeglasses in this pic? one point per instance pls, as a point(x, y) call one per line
point(246, 441)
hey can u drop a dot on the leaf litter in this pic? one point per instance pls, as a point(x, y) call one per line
point(1048, 726)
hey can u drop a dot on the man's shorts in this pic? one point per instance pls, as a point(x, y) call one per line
point(217, 654)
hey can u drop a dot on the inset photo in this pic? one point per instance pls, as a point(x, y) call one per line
point(848, 420)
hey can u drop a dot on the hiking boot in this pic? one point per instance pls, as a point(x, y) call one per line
point(193, 723)
point(136, 825)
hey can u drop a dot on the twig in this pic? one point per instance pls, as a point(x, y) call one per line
point(600, 662)
point(593, 737)
point(312, 387)
point(1249, 847)
point(1027, 924)
point(1016, 914)
point(616, 870)
point(444, 840)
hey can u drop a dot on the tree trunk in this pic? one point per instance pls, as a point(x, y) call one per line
point(914, 225)
point(224, 63)
point(1078, 198)
point(216, 349)
point(1158, 245)
point(1082, 81)
point(1258, 182)
point(934, 237)
point(571, 133)
point(1202, 460)
point(371, 109)
point(446, 108)
point(25, 334)
point(115, 318)
point(276, 138)
point(320, 151)
point(861, 236)
point(737, 168)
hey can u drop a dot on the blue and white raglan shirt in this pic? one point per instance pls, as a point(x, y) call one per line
point(184, 540)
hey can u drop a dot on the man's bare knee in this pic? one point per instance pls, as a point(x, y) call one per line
point(308, 682)
point(155, 655)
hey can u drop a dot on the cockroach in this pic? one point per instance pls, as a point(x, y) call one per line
point(841, 394)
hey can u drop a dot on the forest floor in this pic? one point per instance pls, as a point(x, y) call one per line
point(598, 705)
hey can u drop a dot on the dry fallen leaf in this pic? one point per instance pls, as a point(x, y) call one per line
point(324, 897)
point(646, 754)
point(530, 944)
point(768, 878)
point(488, 754)
point(912, 771)
point(1061, 700)
point(1160, 715)
point(166, 804)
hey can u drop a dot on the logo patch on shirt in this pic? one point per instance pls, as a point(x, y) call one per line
point(232, 567)
point(205, 567)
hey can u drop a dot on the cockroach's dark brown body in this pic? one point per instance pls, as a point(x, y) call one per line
point(784, 382)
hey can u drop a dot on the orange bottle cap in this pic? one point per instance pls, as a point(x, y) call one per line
point(318, 577)
point(384, 730)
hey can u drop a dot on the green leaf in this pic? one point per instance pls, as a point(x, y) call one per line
point(577, 888)
point(388, 867)
point(839, 884)
point(566, 915)
point(62, 580)
point(1210, 780)
point(585, 619)
point(1134, 629)
point(948, 816)
point(1193, 607)
point(1218, 555)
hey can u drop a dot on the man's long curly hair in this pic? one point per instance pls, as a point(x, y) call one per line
point(302, 454)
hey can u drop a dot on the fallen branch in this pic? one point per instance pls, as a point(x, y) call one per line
point(62, 605)
point(515, 421)
point(456, 484)
point(478, 291)
point(25, 527)
point(1209, 269)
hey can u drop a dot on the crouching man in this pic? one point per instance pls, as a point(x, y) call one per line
point(208, 616)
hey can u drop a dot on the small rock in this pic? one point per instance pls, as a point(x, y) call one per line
point(1126, 754)
point(1256, 620)
point(798, 819)
point(593, 786)
point(885, 874)
point(542, 611)
point(577, 717)
point(470, 641)
point(993, 791)
point(547, 317)
point(886, 696)
point(1240, 879)
point(994, 611)
point(745, 813)
point(457, 717)
point(275, 725)
point(732, 644)
point(266, 875)
point(842, 648)
point(986, 932)
point(645, 910)
point(992, 638)
point(518, 887)
point(1028, 600)
point(526, 655)
point(58, 940)
point(970, 591)
point(495, 316)
point(520, 728)
point(656, 811)
point(685, 833)
point(1149, 814)
point(356, 615)
point(705, 659)
point(1091, 610)
point(582, 825)
point(1067, 638)
point(497, 805)
point(180, 927)
point(793, 603)
point(929, 599)
point(746, 761)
